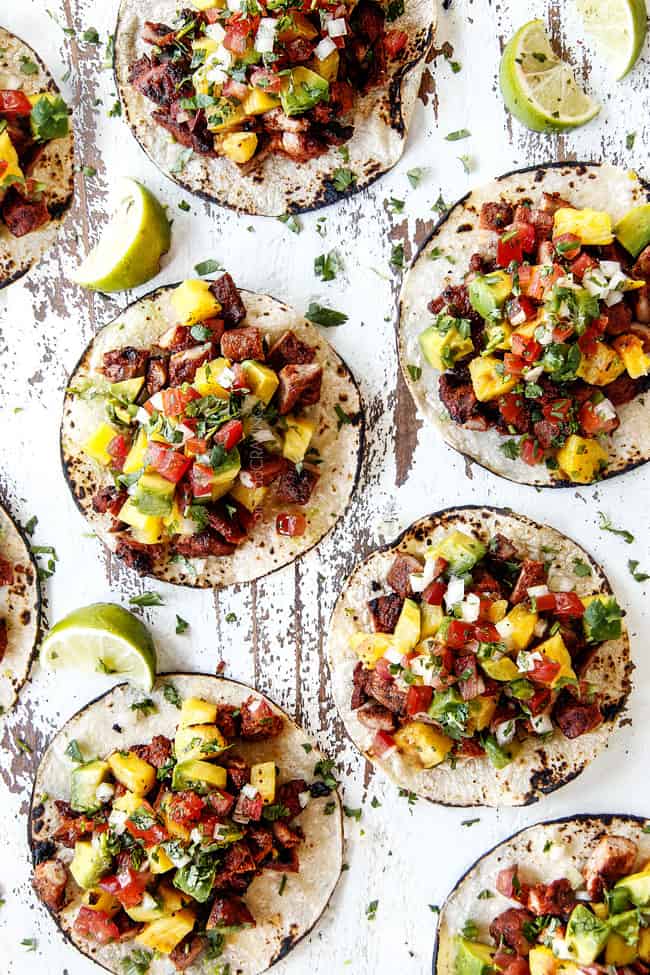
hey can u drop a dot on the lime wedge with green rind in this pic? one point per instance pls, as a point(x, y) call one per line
point(129, 251)
point(618, 29)
point(538, 88)
point(102, 638)
point(633, 230)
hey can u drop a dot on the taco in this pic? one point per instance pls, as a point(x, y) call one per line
point(525, 324)
point(190, 825)
point(20, 609)
point(273, 107)
point(36, 158)
point(211, 435)
point(479, 660)
point(568, 897)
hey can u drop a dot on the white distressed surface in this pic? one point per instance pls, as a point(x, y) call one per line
point(406, 857)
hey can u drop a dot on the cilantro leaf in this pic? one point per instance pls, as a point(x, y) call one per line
point(326, 317)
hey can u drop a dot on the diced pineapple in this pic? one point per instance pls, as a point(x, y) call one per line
point(369, 647)
point(498, 610)
point(175, 830)
point(173, 899)
point(207, 376)
point(159, 862)
point(239, 147)
point(582, 459)
point(431, 618)
point(423, 742)
point(297, 438)
point(258, 101)
point(9, 155)
point(263, 779)
point(199, 741)
point(149, 526)
point(407, 630)
point(635, 359)
point(163, 935)
point(503, 669)
point(644, 944)
point(542, 961)
point(127, 803)
point(205, 46)
point(488, 383)
point(208, 4)
point(225, 115)
point(100, 900)
point(601, 368)
point(263, 381)
point(135, 458)
point(251, 498)
point(518, 627)
point(132, 772)
point(555, 649)
point(618, 952)
point(197, 711)
point(481, 710)
point(328, 68)
point(96, 445)
point(600, 910)
point(593, 227)
point(298, 25)
point(194, 302)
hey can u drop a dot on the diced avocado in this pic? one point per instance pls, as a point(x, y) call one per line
point(626, 925)
point(461, 551)
point(128, 390)
point(199, 741)
point(198, 884)
point(301, 90)
point(149, 909)
point(633, 230)
point(602, 618)
point(637, 887)
point(154, 495)
point(83, 785)
point(132, 772)
point(407, 630)
point(472, 958)
point(488, 292)
point(445, 342)
point(195, 773)
point(263, 381)
point(197, 711)
point(586, 935)
point(91, 861)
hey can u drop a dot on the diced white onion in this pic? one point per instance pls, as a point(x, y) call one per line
point(262, 436)
point(505, 732)
point(544, 334)
point(324, 48)
point(574, 877)
point(393, 656)
point(117, 821)
point(536, 591)
point(249, 791)
point(567, 281)
point(560, 583)
point(216, 32)
point(187, 433)
point(504, 629)
point(455, 592)
point(226, 378)
point(421, 667)
point(605, 410)
point(246, 479)
point(560, 948)
point(470, 608)
point(142, 416)
point(255, 705)
point(613, 298)
point(234, 4)
point(265, 37)
point(610, 268)
point(196, 836)
point(148, 902)
point(337, 27)
point(583, 895)
point(526, 661)
point(304, 798)
point(519, 318)
point(532, 375)
point(104, 792)
point(156, 402)
point(177, 854)
point(542, 723)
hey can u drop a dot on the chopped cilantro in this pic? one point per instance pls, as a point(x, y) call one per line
point(172, 696)
point(207, 267)
point(182, 626)
point(27, 66)
point(74, 752)
point(327, 266)
point(89, 171)
point(231, 617)
point(352, 813)
point(343, 417)
point(397, 256)
point(146, 706)
point(414, 372)
point(630, 139)
point(90, 36)
point(510, 448)
point(632, 565)
point(581, 568)
point(458, 135)
point(606, 525)
point(371, 910)
point(343, 179)
point(415, 175)
point(147, 599)
point(326, 317)
point(292, 222)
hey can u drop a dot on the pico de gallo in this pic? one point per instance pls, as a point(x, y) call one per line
point(160, 842)
point(27, 123)
point(256, 77)
point(206, 432)
point(474, 650)
point(549, 334)
point(587, 921)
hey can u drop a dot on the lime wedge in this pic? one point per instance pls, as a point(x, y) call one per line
point(102, 638)
point(129, 251)
point(618, 29)
point(540, 89)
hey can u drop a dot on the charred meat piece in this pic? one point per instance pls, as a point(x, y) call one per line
point(258, 720)
point(575, 718)
point(23, 216)
point(612, 858)
point(227, 720)
point(233, 311)
point(495, 216)
point(386, 692)
point(156, 375)
point(50, 878)
point(300, 386)
point(260, 840)
point(136, 556)
point(377, 717)
point(642, 267)
point(289, 350)
point(160, 83)
point(623, 390)
point(243, 343)
point(229, 528)
point(385, 612)
point(508, 927)
point(557, 898)
point(285, 836)
point(175, 338)
point(159, 34)
point(619, 318)
point(156, 753)
point(296, 487)
point(238, 858)
point(399, 574)
point(187, 951)
point(458, 397)
point(221, 802)
point(532, 573)
point(287, 862)
point(202, 544)
point(238, 771)
point(126, 363)
point(289, 796)
point(359, 695)
point(552, 202)
point(183, 365)
point(262, 467)
point(229, 912)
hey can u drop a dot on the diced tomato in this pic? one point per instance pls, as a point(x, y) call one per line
point(458, 634)
point(418, 699)
point(127, 885)
point(382, 668)
point(96, 925)
point(512, 407)
point(267, 80)
point(195, 446)
point(176, 399)
point(14, 103)
point(4, 166)
point(170, 464)
point(558, 410)
point(291, 525)
point(563, 331)
point(520, 309)
point(434, 593)
point(541, 280)
point(543, 604)
point(234, 89)
point(185, 808)
point(382, 744)
point(394, 42)
point(592, 423)
point(526, 348)
point(213, 14)
point(238, 33)
point(230, 434)
point(118, 449)
point(568, 604)
point(469, 748)
point(153, 833)
point(567, 246)
point(241, 380)
point(201, 477)
point(581, 265)
point(514, 364)
point(545, 670)
point(485, 609)
point(519, 240)
point(539, 701)
point(246, 808)
point(486, 633)
point(531, 452)
point(588, 341)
